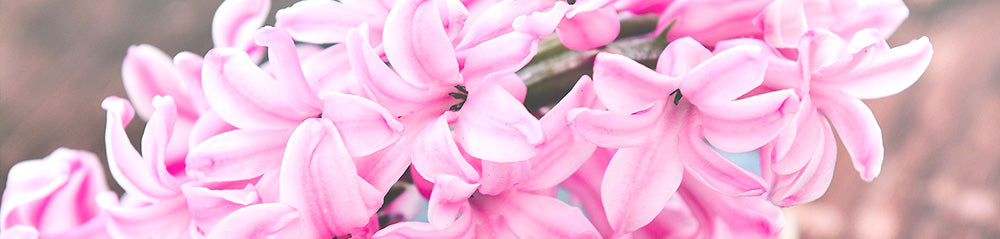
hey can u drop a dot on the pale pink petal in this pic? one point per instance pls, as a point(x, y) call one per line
point(320, 21)
point(498, 177)
point(504, 54)
point(562, 153)
point(725, 77)
point(135, 174)
point(585, 188)
point(627, 87)
point(436, 153)
point(453, 14)
point(675, 221)
point(528, 215)
point(449, 196)
point(746, 124)
point(236, 21)
point(638, 182)
point(640, 7)
point(147, 72)
point(157, 139)
point(712, 21)
point(807, 139)
point(237, 155)
point(461, 228)
point(582, 6)
point(417, 45)
point(247, 97)
point(402, 97)
point(19, 232)
point(783, 22)
point(328, 71)
point(681, 56)
point(614, 130)
point(589, 29)
point(856, 125)
point(319, 179)
point(169, 218)
point(189, 66)
point(497, 20)
point(494, 126)
point(54, 195)
point(209, 124)
point(282, 55)
point(541, 24)
point(383, 168)
point(208, 207)
point(265, 220)
point(889, 74)
point(365, 125)
point(703, 163)
point(723, 216)
point(813, 180)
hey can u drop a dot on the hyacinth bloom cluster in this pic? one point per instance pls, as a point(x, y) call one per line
point(366, 111)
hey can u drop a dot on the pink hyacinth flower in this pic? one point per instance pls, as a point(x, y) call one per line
point(833, 76)
point(662, 134)
point(54, 197)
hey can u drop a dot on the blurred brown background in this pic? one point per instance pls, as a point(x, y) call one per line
point(941, 178)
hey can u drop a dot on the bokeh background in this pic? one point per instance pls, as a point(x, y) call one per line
point(941, 177)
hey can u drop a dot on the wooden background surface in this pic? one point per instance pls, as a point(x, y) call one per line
point(941, 178)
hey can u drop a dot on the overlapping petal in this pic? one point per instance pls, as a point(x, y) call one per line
point(494, 126)
point(318, 177)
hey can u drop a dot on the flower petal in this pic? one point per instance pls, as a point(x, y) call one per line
point(208, 207)
point(365, 125)
point(625, 86)
point(504, 54)
point(147, 72)
point(246, 96)
point(614, 130)
point(640, 180)
point(417, 45)
point(321, 21)
point(856, 125)
point(237, 155)
point(889, 74)
point(528, 215)
point(746, 124)
point(726, 76)
point(681, 56)
point(460, 229)
point(282, 55)
point(498, 177)
point(400, 96)
point(135, 174)
point(638, 183)
point(494, 126)
point(714, 170)
point(319, 179)
point(812, 180)
point(236, 21)
point(589, 29)
point(562, 153)
point(435, 153)
point(265, 220)
point(169, 218)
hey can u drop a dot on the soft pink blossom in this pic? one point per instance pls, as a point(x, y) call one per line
point(664, 121)
point(54, 197)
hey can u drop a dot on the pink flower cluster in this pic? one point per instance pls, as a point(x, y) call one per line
point(364, 108)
